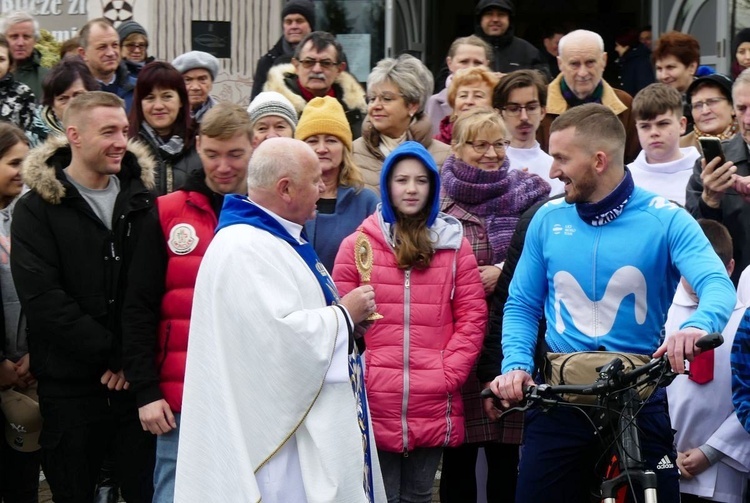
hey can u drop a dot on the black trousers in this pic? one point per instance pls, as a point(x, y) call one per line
point(78, 433)
point(458, 482)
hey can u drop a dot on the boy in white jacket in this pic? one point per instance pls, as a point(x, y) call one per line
point(662, 166)
point(713, 447)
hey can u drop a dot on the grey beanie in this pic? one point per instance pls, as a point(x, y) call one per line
point(129, 27)
point(272, 103)
point(197, 59)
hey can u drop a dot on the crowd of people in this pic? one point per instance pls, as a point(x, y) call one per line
point(301, 298)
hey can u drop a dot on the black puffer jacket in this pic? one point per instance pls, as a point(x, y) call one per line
point(171, 171)
point(275, 56)
point(70, 269)
point(491, 358)
point(510, 52)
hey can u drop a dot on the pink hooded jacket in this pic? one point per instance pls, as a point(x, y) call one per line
point(422, 351)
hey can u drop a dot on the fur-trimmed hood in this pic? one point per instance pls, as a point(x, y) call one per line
point(42, 168)
point(352, 94)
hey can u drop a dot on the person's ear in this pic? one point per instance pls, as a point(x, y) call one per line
point(601, 161)
point(73, 135)
point(284, 189)
point(413, 108)
point(692, 68)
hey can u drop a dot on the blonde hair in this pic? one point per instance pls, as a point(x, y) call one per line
point(225, 120)
point(88, 101)
point(468, 76)
point(476, 121)
point(471, 40)
point(350, 175)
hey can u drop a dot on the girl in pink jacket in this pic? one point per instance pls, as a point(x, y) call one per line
point(430, 295)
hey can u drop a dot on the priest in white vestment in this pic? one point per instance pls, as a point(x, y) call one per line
point(274, 404)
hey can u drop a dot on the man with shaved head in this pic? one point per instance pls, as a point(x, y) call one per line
point(612, 297)
point(582, 60)
point(271, 366)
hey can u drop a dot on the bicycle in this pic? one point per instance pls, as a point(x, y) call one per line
point(617, 407)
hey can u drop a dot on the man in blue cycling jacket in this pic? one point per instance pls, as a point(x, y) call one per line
point(602, 266)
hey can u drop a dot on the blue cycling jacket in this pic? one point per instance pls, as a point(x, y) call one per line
point(610, 286)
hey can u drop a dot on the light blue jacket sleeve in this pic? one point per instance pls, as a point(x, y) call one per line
point(526, 297)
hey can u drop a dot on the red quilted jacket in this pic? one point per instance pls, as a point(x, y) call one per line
point(175, 211)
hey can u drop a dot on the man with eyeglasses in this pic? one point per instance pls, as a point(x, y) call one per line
point(134, 46)
point(519, 97)
point(318, 69)
point(721, 190)
point(297, 20)
point(582, 60)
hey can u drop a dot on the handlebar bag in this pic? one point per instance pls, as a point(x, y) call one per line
point(581, 368)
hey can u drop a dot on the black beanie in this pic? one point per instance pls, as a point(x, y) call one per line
point(305, 8)
point(742, 36)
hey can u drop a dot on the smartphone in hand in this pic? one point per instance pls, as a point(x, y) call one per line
point(712, 148)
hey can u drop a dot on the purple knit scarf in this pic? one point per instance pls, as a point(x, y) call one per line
point(499, 197)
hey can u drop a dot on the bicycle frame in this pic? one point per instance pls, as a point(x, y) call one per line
point(632, 467)
point(614, 382)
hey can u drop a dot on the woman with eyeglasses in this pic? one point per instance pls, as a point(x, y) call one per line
point(160, 118)
point(429, 294)
point(710, 100)
point(397, 90)
point(134, 46)
point(469, 88)
point(488, 199)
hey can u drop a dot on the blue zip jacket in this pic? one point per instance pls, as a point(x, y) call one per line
point(610, 286)
point(740, 360)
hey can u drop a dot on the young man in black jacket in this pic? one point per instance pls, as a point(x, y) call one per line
point(73, 235)
point(297, 20)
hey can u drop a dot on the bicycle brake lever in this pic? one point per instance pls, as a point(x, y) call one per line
point(517, 408)
point(710, 341)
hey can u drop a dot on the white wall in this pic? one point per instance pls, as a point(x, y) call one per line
point(256, 26)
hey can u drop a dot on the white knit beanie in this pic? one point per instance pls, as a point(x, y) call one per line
point(272, 103)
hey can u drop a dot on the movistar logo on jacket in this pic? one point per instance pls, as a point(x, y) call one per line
point(624, 282)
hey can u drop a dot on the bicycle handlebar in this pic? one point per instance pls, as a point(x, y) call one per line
point(612, 376)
